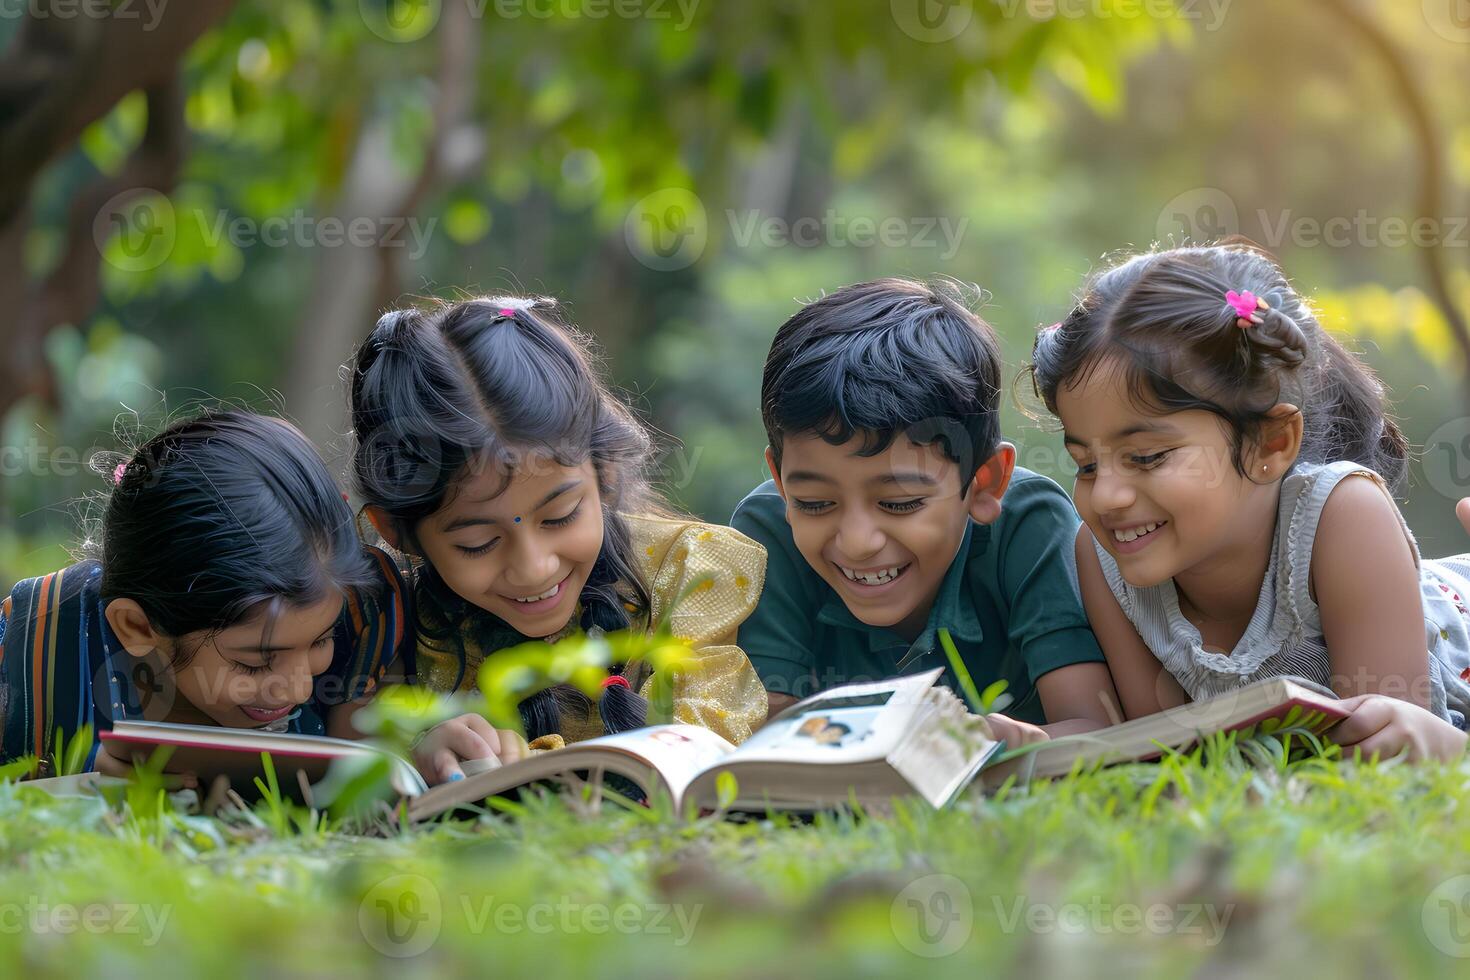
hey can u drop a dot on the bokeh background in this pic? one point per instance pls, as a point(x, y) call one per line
point(213, 199)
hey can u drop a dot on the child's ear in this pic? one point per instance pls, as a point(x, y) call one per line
point(990, 483)
point(386, 527)
point(134, 631)
point(1279, 445)
point(775, 471)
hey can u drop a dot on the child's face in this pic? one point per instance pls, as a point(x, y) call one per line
point(259, 670)
point(1173, 472)
point(812, 725)
point(831, 735)
point(521, 551)
point(881, 530)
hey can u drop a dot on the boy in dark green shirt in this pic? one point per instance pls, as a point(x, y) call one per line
point(897, 511)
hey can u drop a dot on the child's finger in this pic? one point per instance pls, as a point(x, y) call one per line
point(485, 730)
point(174, 781)
point(1462, 511)
point(465, 742)
point(1015, 733)
point(1386, 743)
point(444, 767)
point(513, 747)
point(1369, 715)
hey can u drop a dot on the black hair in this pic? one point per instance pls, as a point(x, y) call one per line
point(219, 514)
point(1164, 317)
point(493, 381)
point(886, 357)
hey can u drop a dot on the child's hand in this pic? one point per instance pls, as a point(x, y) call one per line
point(1389, 726)
point(439, 753)
point(1015, 733)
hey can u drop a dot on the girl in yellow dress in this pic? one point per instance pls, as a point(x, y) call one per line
point(491, 453)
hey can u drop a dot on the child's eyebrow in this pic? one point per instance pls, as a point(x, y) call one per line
point(923, 479)
point(268, 651)
point(913, 476)
point(468, 521)
point(1142, 428)
point(806, 476)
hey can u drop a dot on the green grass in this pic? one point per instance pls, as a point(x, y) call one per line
point(1190, 866)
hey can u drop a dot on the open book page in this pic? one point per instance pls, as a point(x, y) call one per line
point(236, 753)
point(945, 753)
point(855, 723)
point(677, 752)
point(868, 743)
point(1262, 707)
point(660, 756)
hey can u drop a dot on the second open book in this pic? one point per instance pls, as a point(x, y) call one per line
point(868, 743)
point(862, 742)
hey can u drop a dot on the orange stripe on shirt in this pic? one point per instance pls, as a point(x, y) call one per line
point(40, 698)
point(5, 607)
point(390, 572)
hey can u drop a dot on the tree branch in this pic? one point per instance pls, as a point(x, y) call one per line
point(350, 284)
point(1431, 161)
point(60, 75)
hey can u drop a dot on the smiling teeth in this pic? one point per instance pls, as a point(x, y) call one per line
point(545, 595)
point(881, 577)
point(1133, 534)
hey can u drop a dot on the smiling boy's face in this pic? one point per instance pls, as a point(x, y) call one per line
point(883, 530)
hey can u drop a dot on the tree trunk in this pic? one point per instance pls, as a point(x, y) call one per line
point(1431, 166)
point(351, 285)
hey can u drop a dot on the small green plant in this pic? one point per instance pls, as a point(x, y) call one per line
point(992, 699)
point(71, 756)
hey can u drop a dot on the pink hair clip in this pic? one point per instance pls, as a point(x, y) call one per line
point(1245, 305)
point(507, 313)
point(117, 473)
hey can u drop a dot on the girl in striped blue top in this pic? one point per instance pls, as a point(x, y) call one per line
point(229, 588)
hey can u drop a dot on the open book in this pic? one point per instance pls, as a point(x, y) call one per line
point(299, 761)
point(862, 742)
point(1261, 707)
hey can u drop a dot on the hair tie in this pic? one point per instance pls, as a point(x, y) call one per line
point(1245, 306)
point(506, 314)
point(118, 472)
point(616, 680)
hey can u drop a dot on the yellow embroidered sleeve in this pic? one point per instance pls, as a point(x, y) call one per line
point(722, 572)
